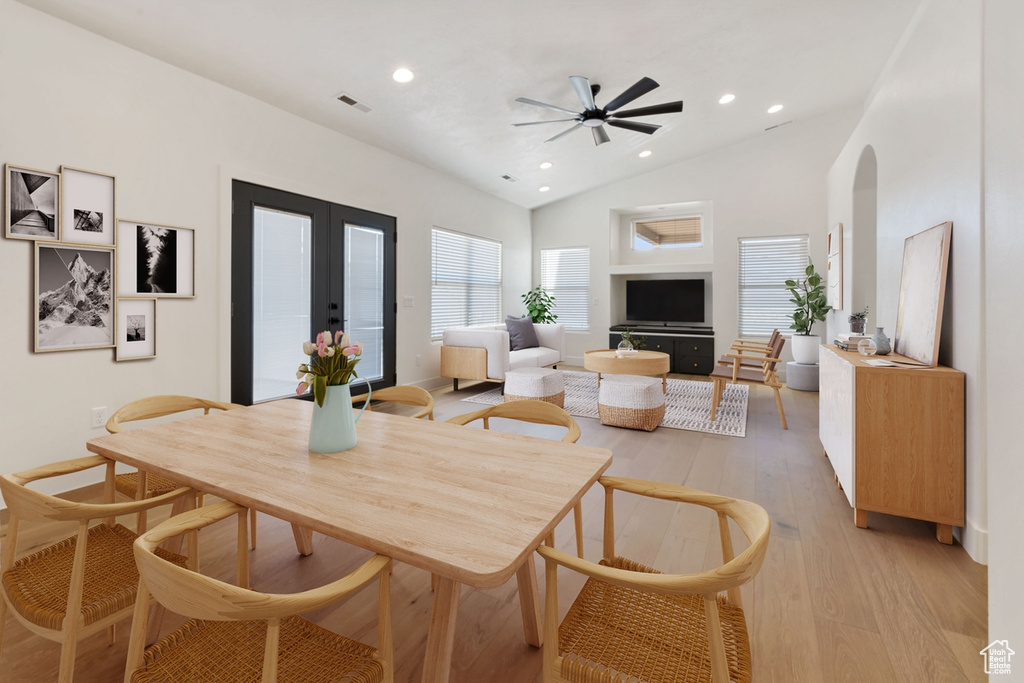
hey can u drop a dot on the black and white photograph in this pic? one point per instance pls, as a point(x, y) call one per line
point(30, 204)
point(87, 202)
point(155, 260)
point(74, 297)
point(136, 329)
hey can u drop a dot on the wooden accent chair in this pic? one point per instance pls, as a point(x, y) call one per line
point(753, 346)
point(537, 412)
point(138, 485)
point(631, 622)
point(83, 584)
point(764, 373)
point(406, 395)
point(237, 634)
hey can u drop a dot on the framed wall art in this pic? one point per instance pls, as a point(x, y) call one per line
point(74, 297)
point(835, 267)
point(155, 260)
point(87, 207)
point(136, 329)
point(923, 293)
point(31, 202)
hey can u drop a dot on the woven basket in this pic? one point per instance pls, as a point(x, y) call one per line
point(557, 399)
point(647, 419)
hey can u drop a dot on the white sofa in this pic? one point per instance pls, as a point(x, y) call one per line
point(481, 352)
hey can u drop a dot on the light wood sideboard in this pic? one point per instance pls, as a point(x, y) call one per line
point(895, 438)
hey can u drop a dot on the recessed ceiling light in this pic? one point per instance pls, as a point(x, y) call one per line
point(774, 108)
point(726, 99)
point(644, 154)
point(545, 188)
point(546, 164)
point(402, 75)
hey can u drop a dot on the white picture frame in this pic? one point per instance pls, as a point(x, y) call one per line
point(136, 329)
point(87, 207)
point(155, 260)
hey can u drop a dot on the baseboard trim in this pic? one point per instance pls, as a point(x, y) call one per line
point(974, 541)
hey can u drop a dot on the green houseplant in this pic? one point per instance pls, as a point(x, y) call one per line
point(858, 320)
point(811, 306)
point(539, 305)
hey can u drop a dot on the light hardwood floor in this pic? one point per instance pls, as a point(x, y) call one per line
point(832, 602)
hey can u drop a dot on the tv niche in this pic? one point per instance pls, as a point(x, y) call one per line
point(679, 303)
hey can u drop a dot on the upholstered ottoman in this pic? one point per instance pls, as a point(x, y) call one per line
point(631, 401)
point(538, 384)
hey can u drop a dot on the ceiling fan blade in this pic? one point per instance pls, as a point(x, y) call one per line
point(564, 133)
point(582, 87)
point(641, 87)
point(648, 128)
point(667, 108)
point(527, 100)
point(600, 135)
point(537, 123)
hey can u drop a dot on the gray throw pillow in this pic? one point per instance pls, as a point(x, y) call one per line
point(521, 334)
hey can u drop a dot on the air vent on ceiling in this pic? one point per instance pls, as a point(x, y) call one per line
point(511, 179)
point(353, 102)
point(778, 125)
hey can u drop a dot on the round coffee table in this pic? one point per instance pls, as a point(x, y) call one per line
point(648, 363)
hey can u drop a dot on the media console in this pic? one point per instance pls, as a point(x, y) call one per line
point(691, 349)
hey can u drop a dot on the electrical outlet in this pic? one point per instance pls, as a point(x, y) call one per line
point(418, 358)
point(99, 417)
point(407, 301)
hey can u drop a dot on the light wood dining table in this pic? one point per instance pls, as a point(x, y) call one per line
point(466, 504)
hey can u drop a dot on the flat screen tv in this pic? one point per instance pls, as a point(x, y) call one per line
point(665, 302)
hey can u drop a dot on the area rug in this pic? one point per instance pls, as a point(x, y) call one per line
point(687, 403)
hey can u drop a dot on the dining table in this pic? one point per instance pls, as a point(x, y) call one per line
point(468, 505)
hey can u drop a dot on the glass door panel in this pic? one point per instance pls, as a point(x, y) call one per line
point(364, 296)
point(281, 299)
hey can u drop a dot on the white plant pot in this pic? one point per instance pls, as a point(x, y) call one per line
point(805, 348)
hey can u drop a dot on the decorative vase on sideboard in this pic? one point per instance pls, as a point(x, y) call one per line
point(881, 341)
point(333, 427)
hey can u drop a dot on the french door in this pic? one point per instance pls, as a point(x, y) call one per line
point(299, 266)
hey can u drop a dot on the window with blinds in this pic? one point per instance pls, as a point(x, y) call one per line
point(465, 276)
point(565, 275)
point(765, 263)
point(659, 233)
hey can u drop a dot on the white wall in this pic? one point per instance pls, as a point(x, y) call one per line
point(174, 141)
point(1004, 282)
point(924, 125)
point(771, 184)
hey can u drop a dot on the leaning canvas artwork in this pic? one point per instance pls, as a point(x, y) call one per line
point(74, 298)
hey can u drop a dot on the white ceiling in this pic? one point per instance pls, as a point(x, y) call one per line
point(473, 58)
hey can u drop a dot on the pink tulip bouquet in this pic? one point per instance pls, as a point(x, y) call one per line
point(329, 364)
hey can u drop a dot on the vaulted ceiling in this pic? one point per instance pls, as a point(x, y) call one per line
point(473, 58)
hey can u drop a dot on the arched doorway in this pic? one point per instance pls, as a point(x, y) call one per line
point(861, 241)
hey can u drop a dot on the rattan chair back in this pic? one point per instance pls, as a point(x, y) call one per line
point(405, 394)
point(283, 645)
point(85, 583)
point(631, 622)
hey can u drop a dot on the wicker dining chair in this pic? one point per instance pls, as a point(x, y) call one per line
point(537, 412)
point(83, 584)
point(238, 634)
point(631, 622)
point(138, 485)
point(405, 394)
point(764, 372)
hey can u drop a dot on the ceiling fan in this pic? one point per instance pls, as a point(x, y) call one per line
point(594, 117)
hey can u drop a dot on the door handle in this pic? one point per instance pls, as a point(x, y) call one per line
point(334, 321)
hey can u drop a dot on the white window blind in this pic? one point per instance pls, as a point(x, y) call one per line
point(565, 275)
point(465, 281)
point(765, 263)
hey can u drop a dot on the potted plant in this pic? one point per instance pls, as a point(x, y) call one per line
point(539, 305)
point(811, 306)
point(858, 320)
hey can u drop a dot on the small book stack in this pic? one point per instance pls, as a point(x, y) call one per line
point(849, 341)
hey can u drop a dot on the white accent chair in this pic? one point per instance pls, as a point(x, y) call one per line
point(481, 352)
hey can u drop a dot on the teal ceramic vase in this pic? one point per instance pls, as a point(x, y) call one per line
point(333, 427)
point(881, 341)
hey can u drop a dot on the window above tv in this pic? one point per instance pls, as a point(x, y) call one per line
point(668, 233)
point(670, 237)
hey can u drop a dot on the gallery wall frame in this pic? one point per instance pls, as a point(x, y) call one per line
point(31, 204)
point(74, 297)
point(923, 293)
point(835, 267)
point(155, 260)
point(136, 329)
point(87, 207)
